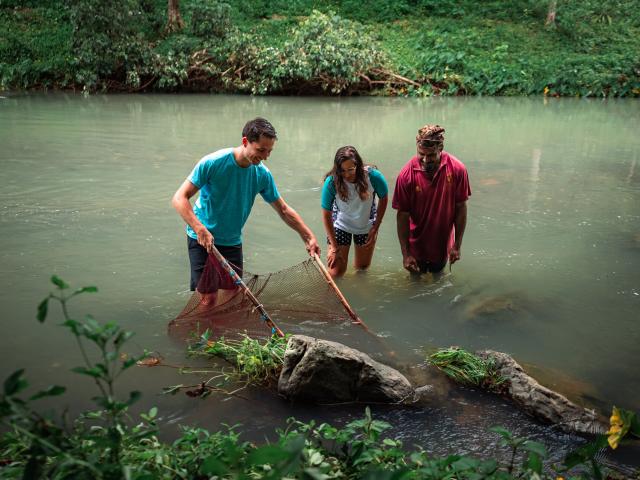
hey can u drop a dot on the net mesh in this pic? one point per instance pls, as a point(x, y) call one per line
point(298, 299)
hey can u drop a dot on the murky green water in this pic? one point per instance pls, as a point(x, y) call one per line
point(550, 258)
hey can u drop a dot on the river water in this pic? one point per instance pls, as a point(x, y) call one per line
point(549, 269)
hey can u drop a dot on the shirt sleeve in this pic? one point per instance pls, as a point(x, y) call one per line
point(378, 183)
point(269, 191)
point(202, 172)
point(328, 193)
point(401, 195)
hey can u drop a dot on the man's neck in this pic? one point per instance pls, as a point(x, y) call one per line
point(240, 157)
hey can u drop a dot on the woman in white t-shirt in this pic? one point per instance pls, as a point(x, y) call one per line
point(350, 209)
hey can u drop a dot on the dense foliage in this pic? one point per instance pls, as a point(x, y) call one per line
point(104, 444)
point(395, 47)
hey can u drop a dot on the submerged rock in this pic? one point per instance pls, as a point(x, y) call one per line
point(489, 306)
point(492, 305)
point(540, 401)
point(327, 372)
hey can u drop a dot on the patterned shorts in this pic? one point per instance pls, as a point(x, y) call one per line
point(344, 238)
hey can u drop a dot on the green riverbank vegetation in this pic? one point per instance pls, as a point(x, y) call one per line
point(106, 443)
point(587, 48)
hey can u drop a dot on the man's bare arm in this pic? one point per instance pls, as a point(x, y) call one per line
point(181, 202)
point(460, 223)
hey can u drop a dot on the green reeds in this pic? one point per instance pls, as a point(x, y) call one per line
point(467, 368)
point(254, 361)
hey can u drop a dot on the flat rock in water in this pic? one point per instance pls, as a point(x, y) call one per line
point(541, 402)
point(494, 306)
point(328, 372)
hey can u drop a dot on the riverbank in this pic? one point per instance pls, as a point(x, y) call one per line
point(402, 48)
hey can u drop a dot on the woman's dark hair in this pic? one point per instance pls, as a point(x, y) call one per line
point(343, 154)
point(257, 127)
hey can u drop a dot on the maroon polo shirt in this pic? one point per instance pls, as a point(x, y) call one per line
point(431, 205)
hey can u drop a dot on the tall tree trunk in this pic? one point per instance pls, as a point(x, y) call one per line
point(175, 22)
point(551, 13)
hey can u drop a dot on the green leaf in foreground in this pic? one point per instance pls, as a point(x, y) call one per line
point(52, 391)
point(43, 309)
point(90, 289)
point(269, 454)
point(213, 466)
point(58, 282)
point(15, 383)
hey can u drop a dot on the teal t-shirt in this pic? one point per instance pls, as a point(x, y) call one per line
point(227, 193)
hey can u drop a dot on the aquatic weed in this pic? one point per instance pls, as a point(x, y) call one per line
point(467, 368)
point(255, 361)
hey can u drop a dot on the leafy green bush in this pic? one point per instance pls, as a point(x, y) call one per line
point(606, 76)
point(210, 19)
point(584, 19)
point(328, 50)
point(34, 55)
point(248, 65)
point(323, 53)
point(380, 10)
point(514, 10)
point(109, 39)
point(261, 9)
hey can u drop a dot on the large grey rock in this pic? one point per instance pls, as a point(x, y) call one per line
point(540, 401)
point(329, 372)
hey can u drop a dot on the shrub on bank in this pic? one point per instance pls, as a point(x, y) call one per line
point(210, 19)
point(323, 53)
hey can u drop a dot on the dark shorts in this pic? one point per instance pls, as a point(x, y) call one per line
point(198, 258)
point(344, 238)
point(425, 266)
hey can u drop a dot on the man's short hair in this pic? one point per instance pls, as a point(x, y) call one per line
point(430, 133)
point(253, 129)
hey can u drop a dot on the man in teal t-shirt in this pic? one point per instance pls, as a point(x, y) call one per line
point(228, 181)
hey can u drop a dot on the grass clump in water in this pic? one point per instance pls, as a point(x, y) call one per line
point(254, 361)
point(467, 368)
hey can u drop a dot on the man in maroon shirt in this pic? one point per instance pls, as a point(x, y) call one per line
point(431, 199)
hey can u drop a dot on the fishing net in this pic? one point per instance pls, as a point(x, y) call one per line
point(298, 299)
